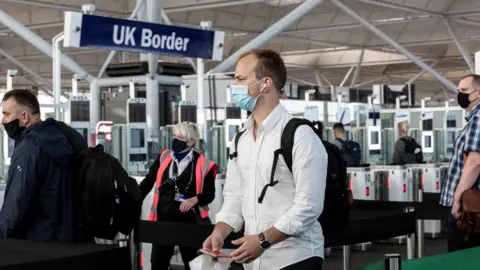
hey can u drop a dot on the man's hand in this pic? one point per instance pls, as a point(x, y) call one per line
point(456, 209)
point(214, 242)
point(188, 204)
point(249, 249)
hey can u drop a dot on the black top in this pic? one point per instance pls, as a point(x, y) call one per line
point(168, 209)
point(38, 200)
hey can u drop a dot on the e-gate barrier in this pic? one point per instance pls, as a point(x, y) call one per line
point(137, 137)
point(78, 116)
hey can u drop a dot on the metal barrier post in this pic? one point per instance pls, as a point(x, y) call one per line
point(393, 262)
point(133, 250)
point(420, 230)
point(346, 257)
point(410, 238)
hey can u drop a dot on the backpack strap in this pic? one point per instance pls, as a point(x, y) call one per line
point(288, 138)
point(286, 148)
point(235, 143)
point(68, 134)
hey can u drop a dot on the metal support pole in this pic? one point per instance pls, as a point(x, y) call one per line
point(201, 115)
point(420, 230)
point(10, 79)
point(268, 34)
point(131, 88)
point(393, 262)
point(316, 73)
point(421, 73)
point(154, 11)
point(357, 69)
point(142, 16)
point(394, 44)
point(410, 238)
point(95, 107)
point(57, 73)
point(40, 44)
point(74, 85)
point(477, 63)
point(346, 258)
point(460, 47)
point(167, 21)
point(112, 53)
point(347, 76)
point(153, 111)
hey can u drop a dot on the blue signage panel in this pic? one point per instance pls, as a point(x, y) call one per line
point(82, 30)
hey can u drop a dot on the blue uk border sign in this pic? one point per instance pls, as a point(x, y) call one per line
point(83, 30)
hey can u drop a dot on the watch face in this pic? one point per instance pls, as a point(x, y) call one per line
point(265, 244)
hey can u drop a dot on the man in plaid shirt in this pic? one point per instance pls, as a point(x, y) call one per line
point(464, 170)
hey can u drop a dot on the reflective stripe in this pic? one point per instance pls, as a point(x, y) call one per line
point(165, 159)
point(201, 169)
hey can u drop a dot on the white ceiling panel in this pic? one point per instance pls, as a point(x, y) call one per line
point(330, 42)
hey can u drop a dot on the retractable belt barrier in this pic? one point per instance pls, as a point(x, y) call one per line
point(363, 226)
point(428, 209)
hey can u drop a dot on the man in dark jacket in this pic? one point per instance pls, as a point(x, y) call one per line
point(38, 196)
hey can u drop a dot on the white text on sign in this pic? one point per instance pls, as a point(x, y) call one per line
point(125, 35)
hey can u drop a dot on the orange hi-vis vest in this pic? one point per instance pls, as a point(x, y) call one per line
point(201, 169)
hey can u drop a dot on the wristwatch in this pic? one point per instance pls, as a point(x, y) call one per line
point(264, 243)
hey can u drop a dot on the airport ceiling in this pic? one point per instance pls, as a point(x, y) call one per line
point(323, 44)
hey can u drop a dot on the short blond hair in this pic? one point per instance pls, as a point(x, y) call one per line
point(186, 130)
point(403, 126)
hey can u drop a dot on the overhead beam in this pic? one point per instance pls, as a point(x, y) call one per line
point(460, 47)
point(421, 73)
point(269, 33)
point(301, 81)
point(370, 81)
point(403, 7)
point(41, 44)
point(185, 8)
point(394, 44)
point(347, 76)
point(37, 78)
point(357, 69)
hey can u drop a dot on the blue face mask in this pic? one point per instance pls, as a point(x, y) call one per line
point(241, 97)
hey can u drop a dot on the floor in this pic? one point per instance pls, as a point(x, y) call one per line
point(375, 253)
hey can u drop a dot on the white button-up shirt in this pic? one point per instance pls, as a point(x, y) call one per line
point(292, 206)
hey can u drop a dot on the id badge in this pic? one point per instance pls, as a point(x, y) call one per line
point(179, 197)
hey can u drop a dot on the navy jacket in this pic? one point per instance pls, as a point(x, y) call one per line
point(38, 196)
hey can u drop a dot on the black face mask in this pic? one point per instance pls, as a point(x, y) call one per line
point(13, 129)
point(463, 99)
point(178, 145)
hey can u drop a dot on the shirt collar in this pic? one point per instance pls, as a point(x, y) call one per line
point(188, 157)
point(267, 124)
point(474, 111)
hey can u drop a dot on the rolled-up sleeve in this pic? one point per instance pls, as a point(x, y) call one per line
point(472, 136)
point(231, 212)
point(309, 167)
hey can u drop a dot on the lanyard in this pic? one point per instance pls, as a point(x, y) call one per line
point(175, 177)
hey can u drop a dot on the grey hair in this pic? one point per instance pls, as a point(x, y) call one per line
point(187, 131)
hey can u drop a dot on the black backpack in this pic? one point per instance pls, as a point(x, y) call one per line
point(351, 152)
point(413, 151)
point(336, 208)
point(106, 200)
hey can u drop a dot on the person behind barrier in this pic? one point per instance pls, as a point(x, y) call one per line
point(281, 227)
point(350, 150)
point(184, 185)
point(407, 150)
point(464, 169)
point(38, 198)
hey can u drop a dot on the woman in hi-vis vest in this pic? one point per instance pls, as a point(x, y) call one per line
point(184, 184)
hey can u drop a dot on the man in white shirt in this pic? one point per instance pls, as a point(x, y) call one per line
point(281, 232)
